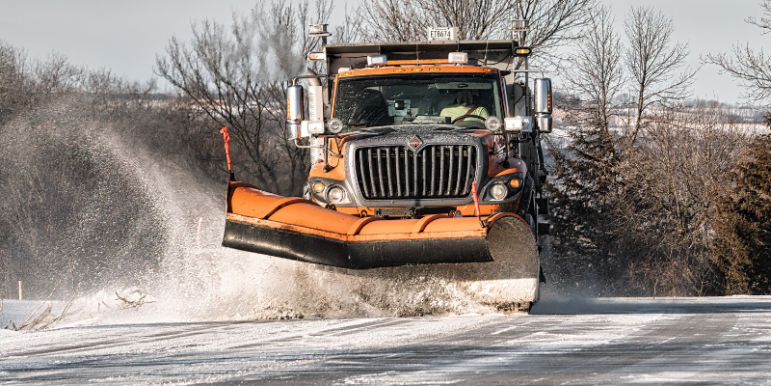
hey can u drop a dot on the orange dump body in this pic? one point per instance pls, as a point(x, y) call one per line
point(298, 229)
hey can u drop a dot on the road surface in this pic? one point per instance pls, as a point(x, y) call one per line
point(578, 342)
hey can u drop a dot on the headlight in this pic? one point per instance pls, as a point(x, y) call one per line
point(336, 195)
point(499, 191)
point(318, 187)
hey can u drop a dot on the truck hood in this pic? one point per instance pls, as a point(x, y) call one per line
point(423, 129)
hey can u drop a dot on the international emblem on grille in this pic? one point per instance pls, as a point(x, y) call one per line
point(415, 143)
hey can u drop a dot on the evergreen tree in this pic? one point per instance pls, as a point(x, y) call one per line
point(582, 198)
point(742, 245)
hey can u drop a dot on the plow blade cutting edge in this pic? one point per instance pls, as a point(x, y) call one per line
point(498, 263)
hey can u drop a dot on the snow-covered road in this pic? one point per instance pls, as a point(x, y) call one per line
point(578, 342)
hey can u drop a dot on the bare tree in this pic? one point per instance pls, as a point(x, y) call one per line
point(619, 228)
point(17, 84)
point(407, 20)
point(351, 30)
point(236, 78)
point(596, 71)
point(654, 62)
point(551, 21)
point(57, 75)
point(752, 68)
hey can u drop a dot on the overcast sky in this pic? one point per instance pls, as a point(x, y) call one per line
point(125, 36)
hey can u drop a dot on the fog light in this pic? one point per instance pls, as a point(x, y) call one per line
point(336, 195)
point(498, 191)
point(318, 187)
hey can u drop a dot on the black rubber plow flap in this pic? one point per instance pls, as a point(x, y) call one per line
point(503, 242)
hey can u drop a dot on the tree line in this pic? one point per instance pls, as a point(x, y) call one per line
point(651, 198)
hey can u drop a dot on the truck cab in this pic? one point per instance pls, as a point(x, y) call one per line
point(411, 129)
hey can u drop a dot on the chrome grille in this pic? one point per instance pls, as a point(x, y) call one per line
point(436, 171)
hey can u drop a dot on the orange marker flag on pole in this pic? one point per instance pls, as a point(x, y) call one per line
point(477, 212)
point(226, 136)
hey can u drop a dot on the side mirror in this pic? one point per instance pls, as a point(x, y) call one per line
point(543, 108)
point(542, 96)
point(296, 124)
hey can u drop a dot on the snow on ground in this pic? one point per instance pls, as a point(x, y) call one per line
point(16, 312)
point(610, 341)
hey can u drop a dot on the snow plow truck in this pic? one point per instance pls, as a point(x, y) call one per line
point(426, 158)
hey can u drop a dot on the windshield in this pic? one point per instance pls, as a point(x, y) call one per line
point(461, 99)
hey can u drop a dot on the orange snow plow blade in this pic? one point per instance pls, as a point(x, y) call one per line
point(298, 229)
